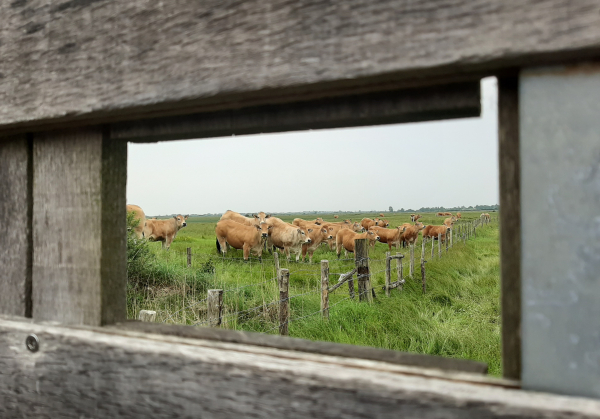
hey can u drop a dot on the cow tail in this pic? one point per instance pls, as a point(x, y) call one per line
point(218, 246)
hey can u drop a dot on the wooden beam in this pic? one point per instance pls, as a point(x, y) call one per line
point(79, 232)
point(510, 224)
point(101, 61)
point(88, 372)
point(458, 100)
point(15, 225)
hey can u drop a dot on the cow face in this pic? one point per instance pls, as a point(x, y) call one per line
point(372, 235)
point(263, 229)
point(419, 225)
point(330, 232)
point(356, 227)
point(261, 217)
point(180, 219)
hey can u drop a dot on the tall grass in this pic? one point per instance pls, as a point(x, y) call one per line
point(457, 317)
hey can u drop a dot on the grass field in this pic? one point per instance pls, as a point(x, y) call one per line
point(458, 316)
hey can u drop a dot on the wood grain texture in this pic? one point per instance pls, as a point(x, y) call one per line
point(15, 226)
point(510, 224)
point(79, 231)
point(86, 372)
point(457, 100)
point(98, 61)
point(361, 261)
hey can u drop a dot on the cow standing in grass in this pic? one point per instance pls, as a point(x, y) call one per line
point(432, 232)
point(287, 237)
point(345, 238)
point(164, 230)
point(241, 236)
point(390, 236)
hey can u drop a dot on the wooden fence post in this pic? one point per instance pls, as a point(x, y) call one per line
point(215, 307)
point(423, 249)
point(189, 257)
point(351, 287)
point(147, 315)
point(440, 245)
point(388, 273)
point(423, 285)
point(400, 256)
point(475, 230)
point(325, 289)
point(412, 260)
point(432, 247)
point(451, 236)
point(284, 302)
point(277, 270)
point(361, 260)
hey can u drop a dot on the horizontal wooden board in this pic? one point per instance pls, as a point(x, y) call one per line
point(92, 372)
point(303, 345)
point(458, 100)
point(102, 61)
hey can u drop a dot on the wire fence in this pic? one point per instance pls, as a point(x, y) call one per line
point(233, 308)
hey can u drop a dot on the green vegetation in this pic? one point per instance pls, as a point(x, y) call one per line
point(457, 317)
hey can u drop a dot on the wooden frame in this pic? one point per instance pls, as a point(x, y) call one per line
point(80, 78)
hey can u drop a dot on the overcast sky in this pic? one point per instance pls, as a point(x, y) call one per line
point(443, 163)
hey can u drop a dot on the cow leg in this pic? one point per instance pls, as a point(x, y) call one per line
point(246, 249)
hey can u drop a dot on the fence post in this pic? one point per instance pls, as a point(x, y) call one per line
point(399, 269)
point(423, 248)
point(423, 276)
point(451, 234)
point(147, 315)
point(284, 302)
point(388, 273)
point(475, 230)
point(361, 260)
point(351, 287)
point(277, 270)
point(215, 307)
point(325, 289)
point(432, 247)
point(440, 245)
point(412, 259)
point(189, 257)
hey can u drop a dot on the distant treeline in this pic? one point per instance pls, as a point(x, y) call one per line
point(401, 210)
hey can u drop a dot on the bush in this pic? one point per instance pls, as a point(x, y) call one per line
point(138, 252)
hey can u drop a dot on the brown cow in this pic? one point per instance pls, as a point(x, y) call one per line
point(449, 222)
point(164, 230)
point(458, 215)
point(317, 235)
point(447, 214)
point(367, 223)
point(381, 215)
point(259, 218)
point(138, 215)
point(333, 228)
point(439, 214)
point(433, 231)
point(414, 217)
point(345, 238)
point(411, 233)
point(287, 237)
point(300, 221)
point(335, 216)
point(241, 236)
point(391, 236)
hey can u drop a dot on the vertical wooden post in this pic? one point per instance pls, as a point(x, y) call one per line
point(79, 271)
point(510, 221)
point(215, 307)
point(351, 287)
point(361, 260)
point(325, 289)
point(423, 249)
point(16, 206)
point(399, 269)
point(284, 302)
point(412, 260)
point(439, 245)
point(189, 257)
point(277, 270)
point(451, 236)
point(447, 239)
point(475, 230)
point(432, 247)
point(388, 273)
point(423, 284)
point(147, 315)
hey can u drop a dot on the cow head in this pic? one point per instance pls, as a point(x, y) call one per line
point(383, 223)
point(419, 225)
point(263, 229)
point(372, 235)
point(180, 220)
point(319, 221)
point(261, 217)
point(357, 228)
point(304, 234)
point(348, 221)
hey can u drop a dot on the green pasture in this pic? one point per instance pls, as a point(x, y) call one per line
point(458, 316)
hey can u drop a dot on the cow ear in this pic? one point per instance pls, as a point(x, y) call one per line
point(299, 231)
point(186, 217)
point(175, 216)
point(255, 216)
point(268, 215)
point(310, 230)
point(257, 227)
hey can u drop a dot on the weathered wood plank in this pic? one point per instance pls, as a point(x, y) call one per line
point(98, 61)
point(458, 100)
point(15, 226)
point(79, 231)
point(510, 224)
point(86, 372)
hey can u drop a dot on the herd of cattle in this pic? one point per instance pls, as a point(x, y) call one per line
point(301, 237)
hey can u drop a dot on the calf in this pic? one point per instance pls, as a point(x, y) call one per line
point(391, 236)
point(317, 234)
point(345, 238)
point(241, 236)
point(164, 230)
point(433, 232)
point(287, 237)
point(333, 228)
point(138, 214)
